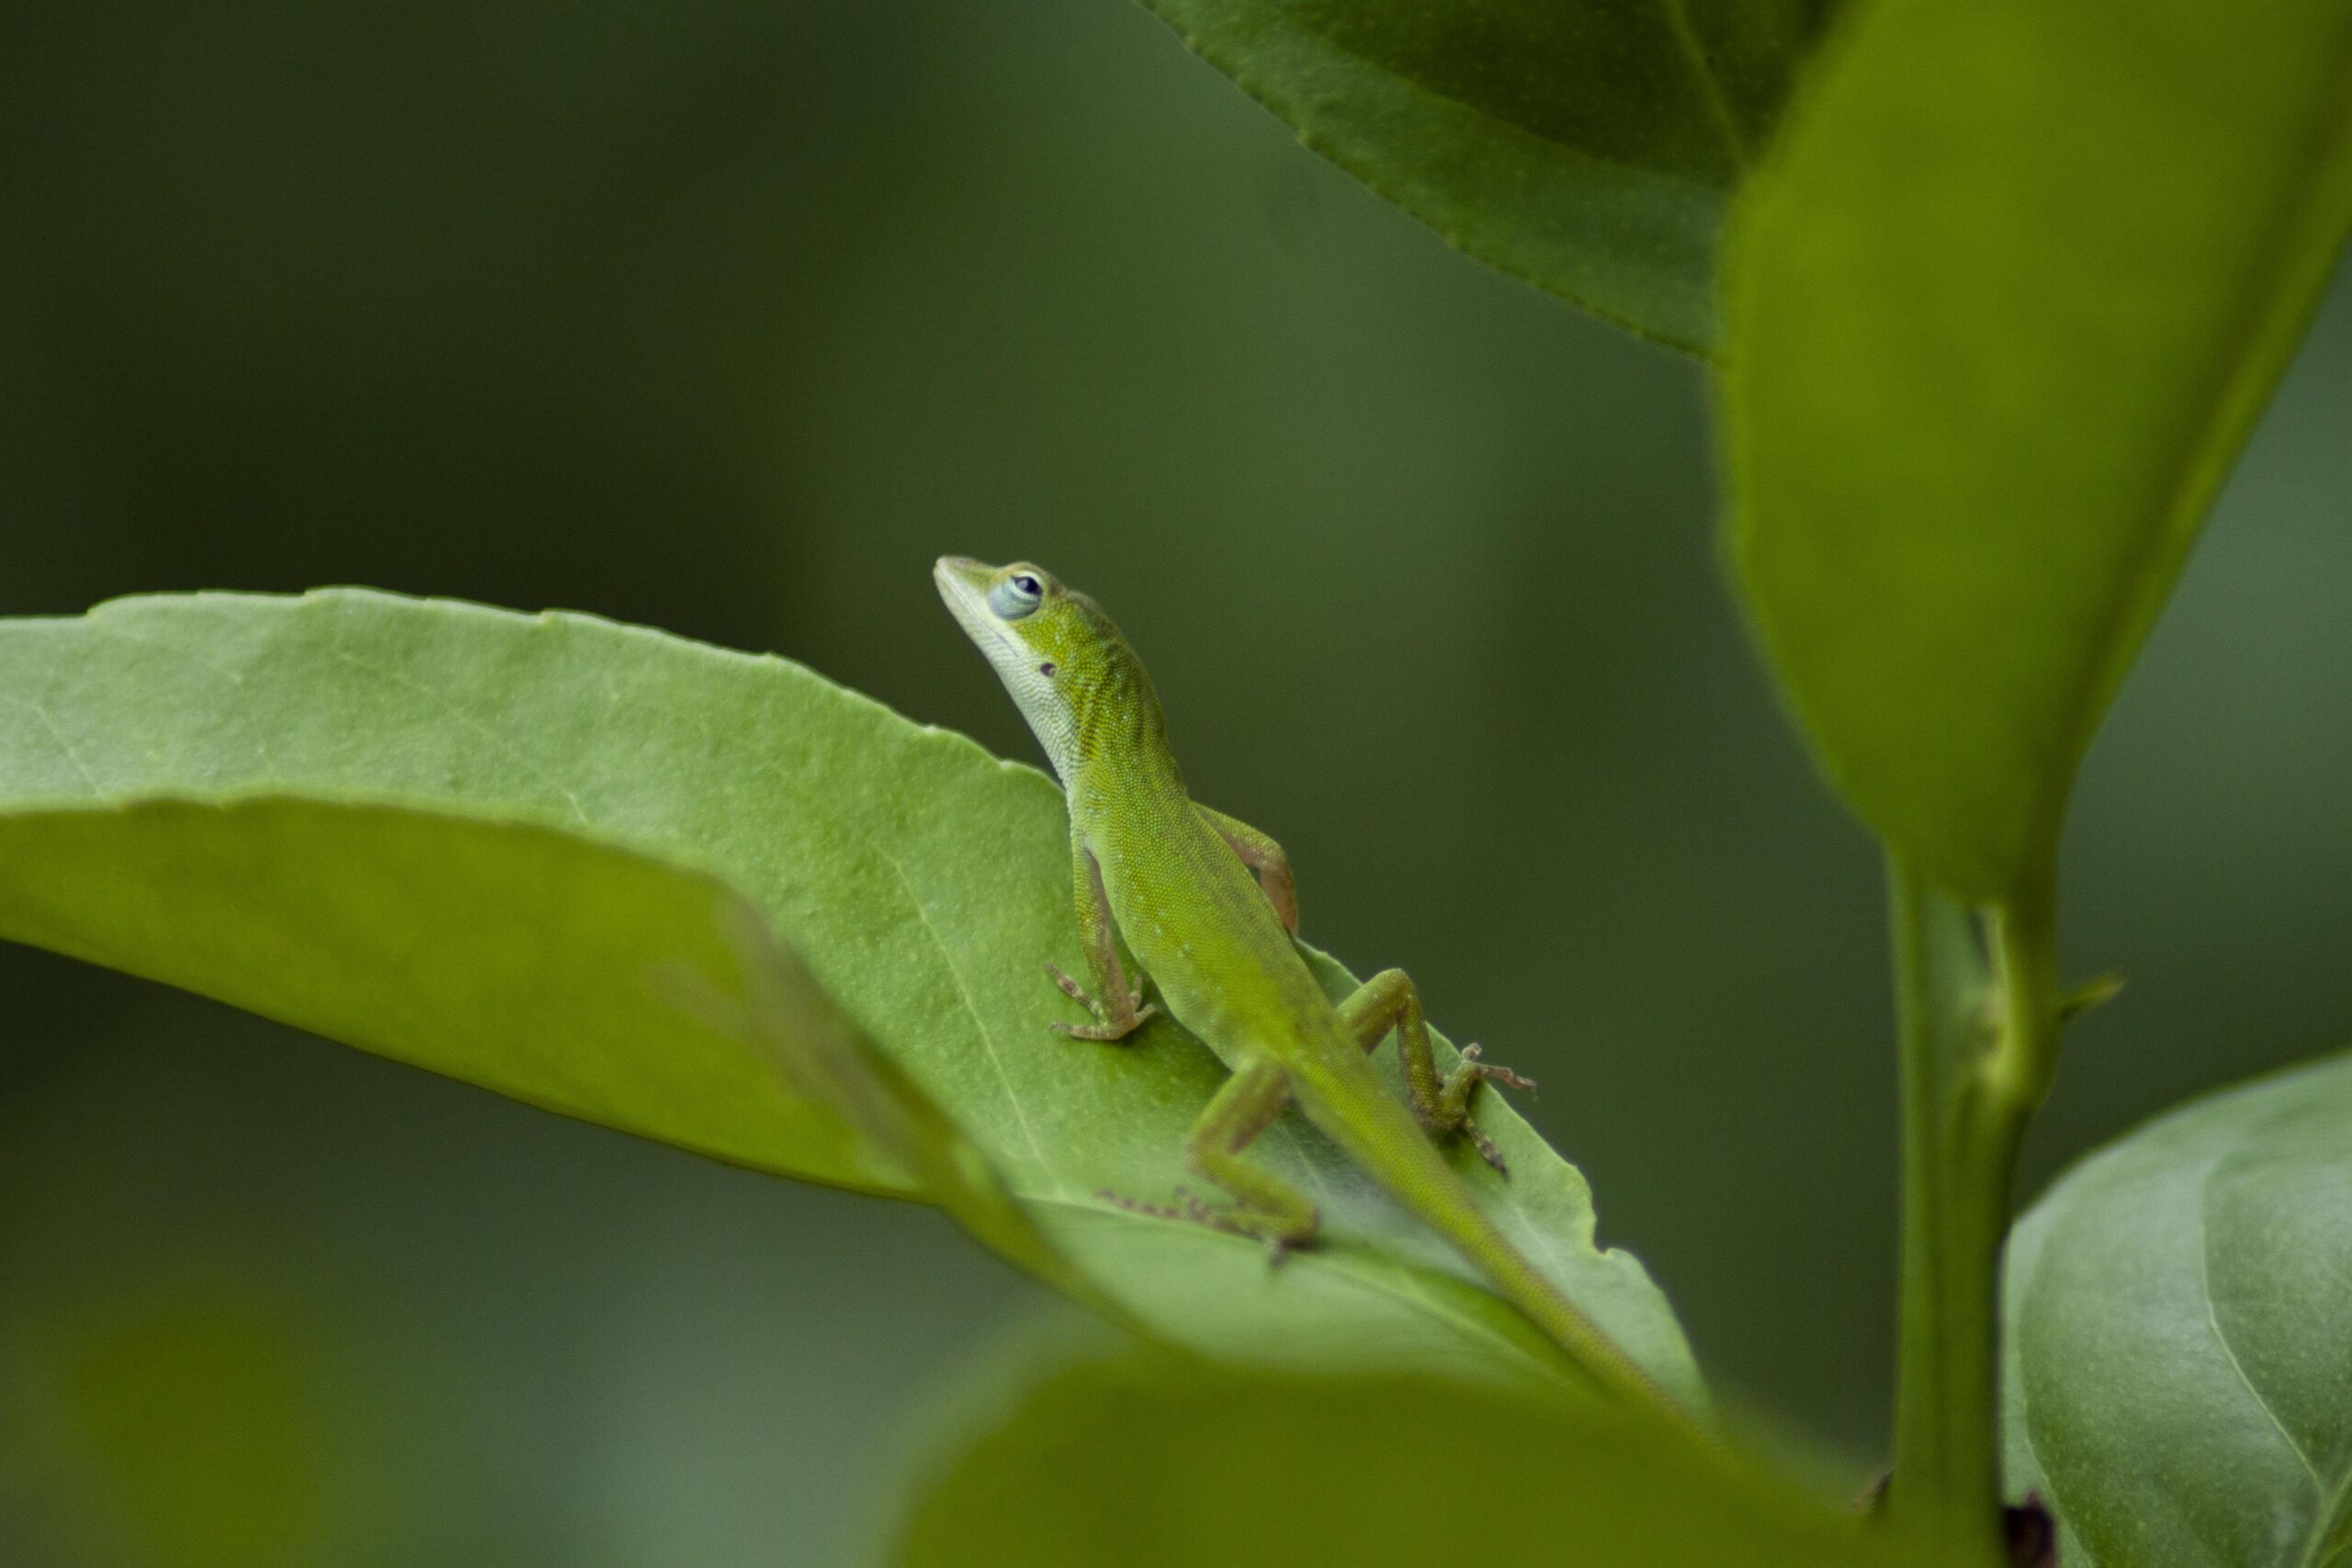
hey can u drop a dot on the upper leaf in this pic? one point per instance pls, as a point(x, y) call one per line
point(1152, 1460)
point(1587, 147)
point(923, 882)
point(2001, 310)
point(2181, 1336)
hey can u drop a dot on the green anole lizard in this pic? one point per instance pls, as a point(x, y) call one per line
point(1208, 907)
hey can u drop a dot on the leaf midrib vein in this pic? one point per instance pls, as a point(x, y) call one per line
point(1677, 15)
point(2328, 1501)
point(2229, 1351)
point(1567, 150)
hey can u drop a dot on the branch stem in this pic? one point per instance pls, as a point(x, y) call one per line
point(1977, 1007)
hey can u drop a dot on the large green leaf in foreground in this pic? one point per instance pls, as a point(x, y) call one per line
point(2180, 1336)
point(2001, 309)
point(1587, 146)
point(583, 978)
point(1159, 1463)
point(922, 882)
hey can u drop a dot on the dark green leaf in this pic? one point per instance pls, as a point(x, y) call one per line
point(1157, 1462)
point(2001, 310)
point(2180, 1336)
point(923, 882)
point(1589, 148)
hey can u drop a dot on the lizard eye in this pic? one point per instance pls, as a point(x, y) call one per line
point(1016, 596)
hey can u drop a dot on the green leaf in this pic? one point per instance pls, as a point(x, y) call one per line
point(2002, 307)
point(583, 978)
point(1589, 148)
point(2181, 1336)
point(1153, 1459)
point(922, 882)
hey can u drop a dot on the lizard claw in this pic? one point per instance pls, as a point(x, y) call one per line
point(1109, 1024)
point(1118, 1030)
point(1070, 987)
point(1485, 1147)
point(1493, 1073)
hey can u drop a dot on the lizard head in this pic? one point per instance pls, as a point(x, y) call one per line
point(1067, 668)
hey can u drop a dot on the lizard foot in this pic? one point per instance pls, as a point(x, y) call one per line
point(1111, 1024)
point(1453, 1101)
point(1157, 1211)
point(1280, 1235)
point(1473, 1064)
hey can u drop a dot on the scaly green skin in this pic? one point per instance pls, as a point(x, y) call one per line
point(1177, 880)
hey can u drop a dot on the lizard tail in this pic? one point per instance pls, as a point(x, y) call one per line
point(1401, 1155)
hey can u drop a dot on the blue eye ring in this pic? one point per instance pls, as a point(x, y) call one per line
point(1016, 596)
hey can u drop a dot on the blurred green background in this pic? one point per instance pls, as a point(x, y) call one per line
point(729, 317)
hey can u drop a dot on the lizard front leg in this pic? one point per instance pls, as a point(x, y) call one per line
point(1121, 1009)
point(1262, 855)
point(1388, 999)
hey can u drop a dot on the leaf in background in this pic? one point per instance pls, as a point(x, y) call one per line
point(1589, 148)
point(2181, 1336)
point(2001, 309)
point(1157, 1460)
point(922, 882)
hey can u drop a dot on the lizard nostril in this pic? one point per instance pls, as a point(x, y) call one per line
point(1045, 668)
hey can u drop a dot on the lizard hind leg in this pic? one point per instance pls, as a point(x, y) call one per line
point(1441, 1105)
point(1264, 1206)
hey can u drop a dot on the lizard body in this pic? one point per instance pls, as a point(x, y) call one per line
point(1207, 907)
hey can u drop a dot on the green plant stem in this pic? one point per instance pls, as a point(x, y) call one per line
point(1978, 1035)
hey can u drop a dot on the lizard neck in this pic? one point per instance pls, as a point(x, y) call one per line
point(1117, 734)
